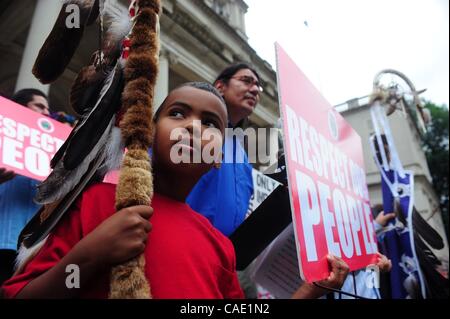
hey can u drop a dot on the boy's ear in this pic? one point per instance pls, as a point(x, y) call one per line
point(220, 86)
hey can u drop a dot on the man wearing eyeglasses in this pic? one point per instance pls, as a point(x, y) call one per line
point(241, 92)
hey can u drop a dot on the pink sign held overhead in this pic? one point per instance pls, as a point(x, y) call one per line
point(28, 140)
point(327, 180)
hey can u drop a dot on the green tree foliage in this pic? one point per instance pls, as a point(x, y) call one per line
point(436, 147)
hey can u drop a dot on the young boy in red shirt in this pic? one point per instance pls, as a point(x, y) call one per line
point(186, 257)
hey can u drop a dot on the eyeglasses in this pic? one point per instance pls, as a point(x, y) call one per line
point(249, 81)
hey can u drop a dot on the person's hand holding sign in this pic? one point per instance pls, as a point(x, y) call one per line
point(6, 175)
point(383, 263)
point(338, 274)
point(383, 219)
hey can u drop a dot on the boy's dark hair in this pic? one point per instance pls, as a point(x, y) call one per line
point(231, 70)
point(196, 85)
point(24, 96)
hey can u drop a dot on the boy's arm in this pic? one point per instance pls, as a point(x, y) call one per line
point(52, 283)
point(118, 239)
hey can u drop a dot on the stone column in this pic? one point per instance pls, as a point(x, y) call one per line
point(45, 15)
point(162, 83)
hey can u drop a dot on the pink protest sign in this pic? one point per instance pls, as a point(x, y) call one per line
point(327, 183)
point(28, 140)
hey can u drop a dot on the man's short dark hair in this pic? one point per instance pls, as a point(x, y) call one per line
point(23, 97)
point(231, 70)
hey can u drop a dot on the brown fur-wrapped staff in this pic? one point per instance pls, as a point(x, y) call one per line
point(136, 183)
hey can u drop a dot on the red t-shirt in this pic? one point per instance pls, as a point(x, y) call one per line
point(186, 257)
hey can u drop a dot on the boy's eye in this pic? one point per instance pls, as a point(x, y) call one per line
point(177, 114)
point(210, 124)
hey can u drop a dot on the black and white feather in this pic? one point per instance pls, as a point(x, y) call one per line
point(94, 132)
point(89, 138)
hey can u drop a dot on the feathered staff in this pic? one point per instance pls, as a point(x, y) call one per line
point(124, 71)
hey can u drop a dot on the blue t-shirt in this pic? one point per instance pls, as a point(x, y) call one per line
point(223, 195)
point(16, 209)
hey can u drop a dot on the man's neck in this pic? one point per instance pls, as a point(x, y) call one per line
point(232, 123)
point(234, 119)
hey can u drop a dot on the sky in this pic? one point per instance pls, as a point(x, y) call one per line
point(342, 44)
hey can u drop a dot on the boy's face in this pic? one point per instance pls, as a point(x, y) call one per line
point(182, 107)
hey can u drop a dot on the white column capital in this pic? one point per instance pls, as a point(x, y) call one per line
point(162, 82)
point(171, 57)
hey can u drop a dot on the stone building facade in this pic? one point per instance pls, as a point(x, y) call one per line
point(199, 38)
